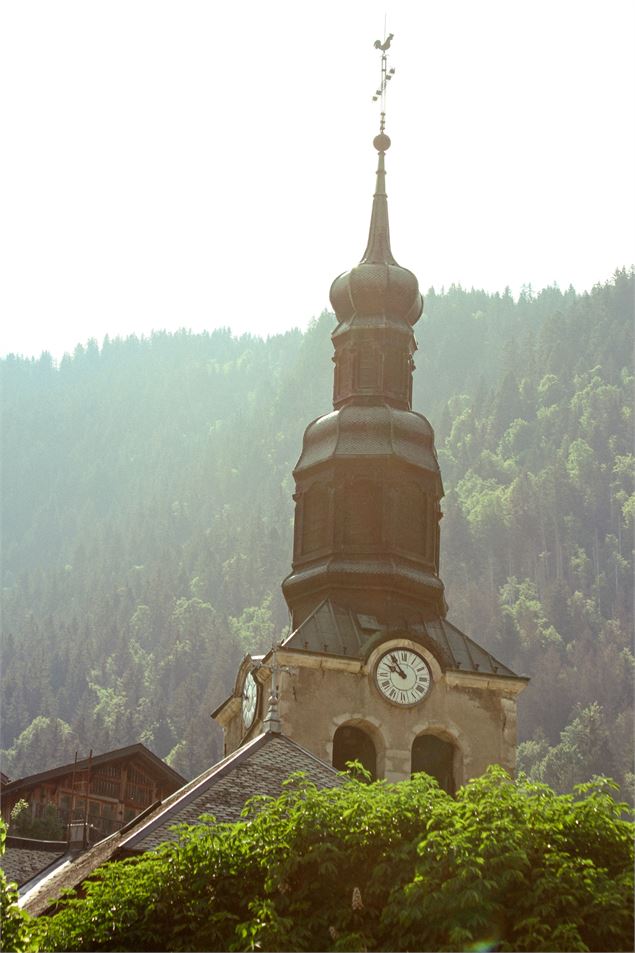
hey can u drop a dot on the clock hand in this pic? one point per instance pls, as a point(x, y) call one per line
point(397, 667)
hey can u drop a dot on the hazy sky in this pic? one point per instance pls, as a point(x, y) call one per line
point(197, 164)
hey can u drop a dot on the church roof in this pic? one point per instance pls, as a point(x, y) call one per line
point(259, 767)
point(332, 629)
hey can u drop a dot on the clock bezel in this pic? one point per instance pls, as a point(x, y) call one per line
point(248, 725)
point(404, 648)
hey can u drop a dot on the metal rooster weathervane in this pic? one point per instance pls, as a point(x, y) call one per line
point(386, 75)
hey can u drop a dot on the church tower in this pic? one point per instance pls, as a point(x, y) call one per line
point(368, 486)
point(373, 669)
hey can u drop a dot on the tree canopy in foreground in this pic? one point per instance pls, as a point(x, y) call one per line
point(506, 865)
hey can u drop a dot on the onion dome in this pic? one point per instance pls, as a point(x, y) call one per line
point(378, 286)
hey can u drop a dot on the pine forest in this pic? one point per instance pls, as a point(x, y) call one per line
point(147, 520)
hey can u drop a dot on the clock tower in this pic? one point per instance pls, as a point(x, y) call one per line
point(373, 670)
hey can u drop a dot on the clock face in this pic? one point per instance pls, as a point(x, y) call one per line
point(403, 677)
point(250, 698)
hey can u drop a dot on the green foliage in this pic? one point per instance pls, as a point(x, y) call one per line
point(255, 628)
point(17, 929)
point(505, 865)
point(45, 742)
point(45, 827)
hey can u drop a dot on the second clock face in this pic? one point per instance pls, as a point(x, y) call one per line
point(250, 698)
point(403, 676)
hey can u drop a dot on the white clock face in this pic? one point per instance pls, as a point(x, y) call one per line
point(250, 698)
point(403, 676)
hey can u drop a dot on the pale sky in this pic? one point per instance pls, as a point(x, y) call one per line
point(195, 164)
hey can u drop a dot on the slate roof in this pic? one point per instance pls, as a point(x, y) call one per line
point(332, 629)
point(24, 857)
point(259, 767)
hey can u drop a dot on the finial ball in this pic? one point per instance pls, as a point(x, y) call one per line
point(381, 142)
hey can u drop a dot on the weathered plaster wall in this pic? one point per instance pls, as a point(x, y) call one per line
point(477, 714)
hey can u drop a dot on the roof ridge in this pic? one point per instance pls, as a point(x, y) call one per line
point(191, 790)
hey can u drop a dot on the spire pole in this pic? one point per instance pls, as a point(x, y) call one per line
point(378, 247)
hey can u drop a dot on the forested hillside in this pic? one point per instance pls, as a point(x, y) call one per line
point(147, 519)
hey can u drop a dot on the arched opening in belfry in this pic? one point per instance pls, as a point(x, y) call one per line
point(435, 757)
point(354, 744)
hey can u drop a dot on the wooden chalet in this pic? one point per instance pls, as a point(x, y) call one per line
point(103, 792)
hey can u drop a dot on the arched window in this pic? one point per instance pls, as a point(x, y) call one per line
point(362, 513)
point(315, 518)
point(436, 758)
point(353, 744)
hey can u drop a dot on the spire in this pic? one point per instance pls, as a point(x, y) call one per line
point(378, 247)
point(377, 288)
point(368, 484)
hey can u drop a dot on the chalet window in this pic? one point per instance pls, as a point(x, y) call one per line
point(137, 777)
point(104, 785)
point(138, 788)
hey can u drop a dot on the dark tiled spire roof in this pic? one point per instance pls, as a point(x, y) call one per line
point(336, 630)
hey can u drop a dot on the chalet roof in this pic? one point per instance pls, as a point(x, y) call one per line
point(332, 629)
point(140, 750)
point(25, 857)
point(259, 767)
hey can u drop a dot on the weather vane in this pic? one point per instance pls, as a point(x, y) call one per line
point(386, 75)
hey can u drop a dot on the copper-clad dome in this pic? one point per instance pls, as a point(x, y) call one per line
point(378, 285)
